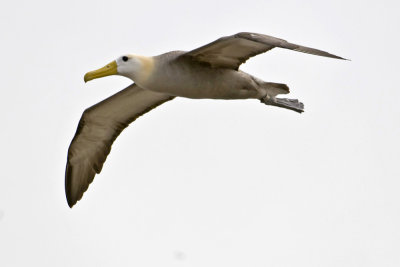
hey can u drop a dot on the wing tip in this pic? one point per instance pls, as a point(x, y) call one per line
point(71, 203)
point(74, 197)
point(341, 58)
point(71, 199)
point(72, 192)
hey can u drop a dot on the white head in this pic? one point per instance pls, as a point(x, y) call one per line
point(128, 66)
point(131, 66)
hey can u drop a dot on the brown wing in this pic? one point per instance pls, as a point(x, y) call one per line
point(232, 51)
point(99, 126)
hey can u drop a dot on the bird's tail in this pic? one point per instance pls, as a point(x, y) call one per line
point(292, 104)
point(270, 88)
point(275, 88)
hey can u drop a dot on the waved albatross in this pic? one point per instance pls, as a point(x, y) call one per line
point(211, 71)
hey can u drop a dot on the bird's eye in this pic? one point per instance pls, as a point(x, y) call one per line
point(125, 58)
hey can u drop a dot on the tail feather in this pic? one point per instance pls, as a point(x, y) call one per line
point(278, 88)
point(271, 88)
point(292, 104)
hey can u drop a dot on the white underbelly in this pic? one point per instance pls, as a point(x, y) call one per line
point(225, 84)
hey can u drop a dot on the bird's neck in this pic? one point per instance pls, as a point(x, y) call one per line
point(146, 67)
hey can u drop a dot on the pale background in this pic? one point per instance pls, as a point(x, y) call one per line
point(203, 182)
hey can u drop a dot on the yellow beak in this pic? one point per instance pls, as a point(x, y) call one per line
point(109, 69)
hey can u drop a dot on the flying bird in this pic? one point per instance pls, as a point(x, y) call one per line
point(211, 71)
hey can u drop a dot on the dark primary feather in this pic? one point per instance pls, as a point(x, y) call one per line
point(232, 51)
point(98, 127)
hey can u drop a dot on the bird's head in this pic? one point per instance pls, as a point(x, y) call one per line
point(130, 66)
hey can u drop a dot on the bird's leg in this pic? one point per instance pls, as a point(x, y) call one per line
point(292, 104)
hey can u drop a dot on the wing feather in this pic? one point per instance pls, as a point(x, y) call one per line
point(232, 51)
point(98, 127)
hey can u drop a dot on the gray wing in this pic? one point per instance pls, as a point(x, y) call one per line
point(98, 127)
point(232, 51)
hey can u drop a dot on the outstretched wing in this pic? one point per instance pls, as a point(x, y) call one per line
point(98, 127)
point(232, 51)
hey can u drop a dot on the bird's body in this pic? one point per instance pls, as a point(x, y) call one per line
point(211, 71)
point(174, 74)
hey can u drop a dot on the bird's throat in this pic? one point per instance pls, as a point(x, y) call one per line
point(146, 69)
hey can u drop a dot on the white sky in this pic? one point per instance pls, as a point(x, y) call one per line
point(203, 182)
